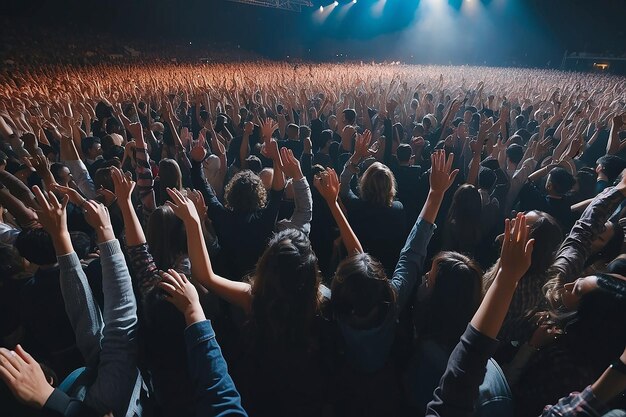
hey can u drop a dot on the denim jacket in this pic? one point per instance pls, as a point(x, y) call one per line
point(215, 391)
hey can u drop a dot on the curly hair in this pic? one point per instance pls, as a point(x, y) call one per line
point(245, 193)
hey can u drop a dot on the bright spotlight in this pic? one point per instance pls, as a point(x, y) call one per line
point(321, 9)
point(336, 3)
point(353, 1)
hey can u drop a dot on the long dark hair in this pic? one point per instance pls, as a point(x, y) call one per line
point(455, 297)
point(285, 291)
point(464, 218)
point(362, 294)
point(166, 237)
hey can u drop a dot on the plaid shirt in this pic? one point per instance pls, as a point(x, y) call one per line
point(577, 404)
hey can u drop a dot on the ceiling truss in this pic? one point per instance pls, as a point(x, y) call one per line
point(292, 5)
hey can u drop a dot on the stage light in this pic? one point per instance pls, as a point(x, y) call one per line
point(353, 1)
point(336, 3)
point(321, 9)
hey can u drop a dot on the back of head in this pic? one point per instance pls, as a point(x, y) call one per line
point(455, 296)
point(404, 153)
point(350, 116)
point(466, 204)
point(11, 263)
point(378, 185)
point(561, 181)
point(103, 110)
point(285, 290)
point(326, 137)
point(166, 237)
point(515, 152)
point(548, 237)
point(87, 143)
point(362, 294)
point(169, 177)
point(35, 245)
point(305, 132)
point(486, 178)
point(611, 166)
point(245, 193)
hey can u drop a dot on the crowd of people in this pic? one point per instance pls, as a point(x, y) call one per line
point(269, 239)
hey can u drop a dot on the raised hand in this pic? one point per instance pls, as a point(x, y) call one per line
point(515, 257)
point(24, 377)
point(75, 197)
point(291, 165)
point(327, 183)
point(183, 295)
point(136, 131)
point(362, 146)
point(441, 176)
point(198, 152)
point(52, 215)
point(198, 200)
point(123, 184)
point(268, 127)
point(97, 215)
point(182, 206)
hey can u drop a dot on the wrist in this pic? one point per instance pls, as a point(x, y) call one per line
point(194, 314)
point(105, 233)
point(42, 396)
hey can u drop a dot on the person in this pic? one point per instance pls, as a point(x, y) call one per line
point(282, 301)
point(378, 220)
point(106, 339)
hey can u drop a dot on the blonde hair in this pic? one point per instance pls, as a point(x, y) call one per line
point(378, 185)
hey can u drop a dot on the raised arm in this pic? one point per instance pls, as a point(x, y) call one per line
point(238, 293)
point(303, 200)
point(413, 254)
point(216, 394)
point(327, 184)
point(458, 389)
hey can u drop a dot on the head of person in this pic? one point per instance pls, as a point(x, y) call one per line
point(285, 290)
point(593, 329)
point(245, 193)
point(293, 131)
point(348, 117)
point(254, 164)
point(332, 122)
point(585, 186)
point(169, 177)
point(548, 236)
point(418, 130)
point(378, 185)
point(304, 132)
point(559, 182)
point(61, 173)
point(608, 243)
point(103, 110)
point(404, 153)
point(111, 147)
point(467, 116)
point(12, 265)
point(362, 294)
point(35, 245)
point(460, 128)
point(454, 293)
point(465, 213)
point(610, 166)
point(166, 236)
point(91, 147)
point(487, 179)
point(325, 140)
point(514, 154)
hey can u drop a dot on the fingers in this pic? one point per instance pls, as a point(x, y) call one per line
point(41, 199)
point(25, 356)
point(11, 361)
point(167, 287)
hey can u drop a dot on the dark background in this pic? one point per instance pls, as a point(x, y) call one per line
point(524, 33)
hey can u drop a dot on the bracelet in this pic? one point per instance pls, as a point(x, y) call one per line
point(619, 366)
